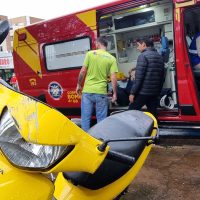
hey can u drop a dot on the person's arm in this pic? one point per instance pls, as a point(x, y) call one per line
point(139, 74)
point(114, 86)
point(80, 80)
point(82, 74)
point(113, 71)
point(198, 45)
point(140, 71)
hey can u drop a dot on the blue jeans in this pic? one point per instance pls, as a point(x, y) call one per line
point(88, 102)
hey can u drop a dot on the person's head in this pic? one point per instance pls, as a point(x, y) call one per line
point(101, 43)
point(143, 43)
point(132, 74)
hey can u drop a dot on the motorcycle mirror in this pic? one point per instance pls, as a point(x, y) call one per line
point(4, 29)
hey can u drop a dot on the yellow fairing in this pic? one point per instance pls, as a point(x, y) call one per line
point(41, 124)
point(18, 185)
point(65, 190)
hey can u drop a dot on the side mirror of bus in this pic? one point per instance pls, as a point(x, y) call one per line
point(4, 29)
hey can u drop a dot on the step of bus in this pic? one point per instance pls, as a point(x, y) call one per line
point(179, 132)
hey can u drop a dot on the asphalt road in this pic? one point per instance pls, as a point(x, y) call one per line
point(169, 173)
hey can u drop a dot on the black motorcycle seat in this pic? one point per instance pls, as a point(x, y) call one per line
point(122, 125)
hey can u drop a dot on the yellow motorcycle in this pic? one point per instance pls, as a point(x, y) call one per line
point(37, 143)
point(44, 155)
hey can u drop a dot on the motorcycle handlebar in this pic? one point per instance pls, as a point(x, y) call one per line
point(116, 156)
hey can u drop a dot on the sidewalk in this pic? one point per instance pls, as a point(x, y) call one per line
point(169, 173)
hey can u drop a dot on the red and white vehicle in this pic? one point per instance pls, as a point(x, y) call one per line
point(48, 55)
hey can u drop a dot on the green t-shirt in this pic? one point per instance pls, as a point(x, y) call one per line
point(100, 64)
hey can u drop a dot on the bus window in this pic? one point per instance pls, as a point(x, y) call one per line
point(67, 54)
point(192, 35)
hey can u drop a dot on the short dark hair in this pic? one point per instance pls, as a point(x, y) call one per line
point(102, 40)
point(148, 41)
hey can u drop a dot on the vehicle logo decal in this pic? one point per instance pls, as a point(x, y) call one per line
point(55, 90)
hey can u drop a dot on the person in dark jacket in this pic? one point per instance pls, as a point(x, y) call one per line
point(149, 77)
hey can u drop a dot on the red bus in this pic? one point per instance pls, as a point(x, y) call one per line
point(48, 55)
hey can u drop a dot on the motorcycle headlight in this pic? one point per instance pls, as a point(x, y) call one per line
point(22, 153)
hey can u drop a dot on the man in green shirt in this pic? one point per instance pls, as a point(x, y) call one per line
point(97, 66)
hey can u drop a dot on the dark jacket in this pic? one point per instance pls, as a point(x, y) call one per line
point(149, 75)
point(129, 86)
